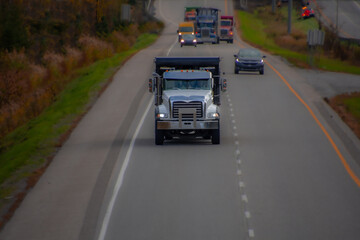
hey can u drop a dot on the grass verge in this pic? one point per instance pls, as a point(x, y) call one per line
point(255, 30)
point(348, 108)
point(32, 146)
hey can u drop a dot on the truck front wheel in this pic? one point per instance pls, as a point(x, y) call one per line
point(159, 135)
point(215, 138)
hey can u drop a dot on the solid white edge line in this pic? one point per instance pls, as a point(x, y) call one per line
point(120, 178)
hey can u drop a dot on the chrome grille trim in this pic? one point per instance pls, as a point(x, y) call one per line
point(223, 31)
point(205, 32)
point(180, 104)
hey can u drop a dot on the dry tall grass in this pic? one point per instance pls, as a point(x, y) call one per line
point(26, 88)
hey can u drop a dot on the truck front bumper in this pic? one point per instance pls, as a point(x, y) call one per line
point(226, 37)
point(206, 40)
point(187, 125)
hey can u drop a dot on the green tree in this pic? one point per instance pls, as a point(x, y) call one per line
point(13, 34)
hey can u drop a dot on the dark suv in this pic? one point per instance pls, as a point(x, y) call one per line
point(249, 59)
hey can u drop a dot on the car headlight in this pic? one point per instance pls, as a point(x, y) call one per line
point(182, 40)
point(262, 60)
point(180, 33)
point(194, 40)
point(213, 115)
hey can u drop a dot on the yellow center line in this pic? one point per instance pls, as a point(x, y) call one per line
point(343, 160)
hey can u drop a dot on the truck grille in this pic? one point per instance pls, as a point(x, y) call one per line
point(197, 105)
point(224, 32)
point(205, 32)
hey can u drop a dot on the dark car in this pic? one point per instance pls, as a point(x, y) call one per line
point(249, 59)
point(188, 39)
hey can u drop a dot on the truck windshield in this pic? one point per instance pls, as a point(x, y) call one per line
point(186, 29)
point(205, 25)
point(225, 23)
point(183, 84)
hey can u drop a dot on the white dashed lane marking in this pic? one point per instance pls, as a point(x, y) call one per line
point(239, 173)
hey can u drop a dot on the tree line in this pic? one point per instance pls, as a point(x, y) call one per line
point(40, 25)
point(43, 41)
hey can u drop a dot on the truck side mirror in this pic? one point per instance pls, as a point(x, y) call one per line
point(150, 85)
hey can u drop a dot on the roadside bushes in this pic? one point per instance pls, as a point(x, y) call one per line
point(27, 88)
point(95, 49)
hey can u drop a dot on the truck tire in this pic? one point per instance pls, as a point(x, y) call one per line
point(261, 71)
point(159, 136)
point(215, 138)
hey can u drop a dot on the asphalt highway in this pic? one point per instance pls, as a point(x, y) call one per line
point(343, 14)
point(280, 172)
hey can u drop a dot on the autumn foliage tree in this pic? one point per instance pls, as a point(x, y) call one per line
point(42, 41)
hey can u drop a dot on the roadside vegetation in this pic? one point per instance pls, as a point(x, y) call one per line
point(271, 35)
point(347, 107)
point(56, 57)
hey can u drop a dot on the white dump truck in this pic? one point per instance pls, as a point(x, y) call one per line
point(187, 97)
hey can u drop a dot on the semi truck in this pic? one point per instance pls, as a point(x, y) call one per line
point(190, 14)
point(226, 29)
point(207, 25)
point(187, 98)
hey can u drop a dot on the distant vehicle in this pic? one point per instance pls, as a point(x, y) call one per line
point(190, 14)
point(186, 28)
point(188, 39)
point(207, 25)
point(226, 28)
point(249, 59)
point(307, 12)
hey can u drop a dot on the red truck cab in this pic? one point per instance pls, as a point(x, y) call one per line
point(226, 29)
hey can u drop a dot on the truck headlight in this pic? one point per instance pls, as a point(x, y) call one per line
point(161, 115)
point(213, 115)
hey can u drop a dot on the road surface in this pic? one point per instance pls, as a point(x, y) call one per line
point(343, 14)
point(280, 172)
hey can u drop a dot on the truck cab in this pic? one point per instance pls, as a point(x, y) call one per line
point(207, 29)
point(226, 29)
point(190, 14)
point(187, 98)
point(186, 28)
